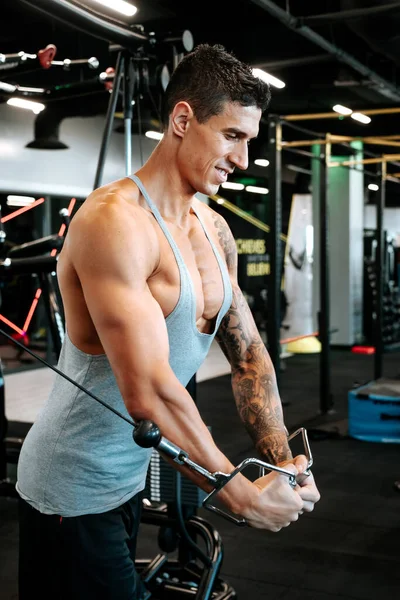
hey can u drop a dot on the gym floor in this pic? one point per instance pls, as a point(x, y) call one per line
point(348, 548)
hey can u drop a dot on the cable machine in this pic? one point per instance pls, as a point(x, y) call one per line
point(322, 149)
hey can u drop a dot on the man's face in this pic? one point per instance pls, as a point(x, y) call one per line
point(211, 151)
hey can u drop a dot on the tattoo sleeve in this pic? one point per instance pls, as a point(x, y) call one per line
point(253, 376)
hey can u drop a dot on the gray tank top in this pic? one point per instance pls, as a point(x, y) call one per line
point(80, 458)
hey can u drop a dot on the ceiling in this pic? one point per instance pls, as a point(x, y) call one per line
point(356, 61)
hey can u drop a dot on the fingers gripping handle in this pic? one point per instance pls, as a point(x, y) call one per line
point(223, 479)
point(147, 435)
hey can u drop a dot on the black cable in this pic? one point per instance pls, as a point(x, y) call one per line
point(181, 522)
point(140, 128)
point(78, 385)
point(158, 112)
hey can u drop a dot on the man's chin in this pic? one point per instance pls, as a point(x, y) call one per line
point(210, 189)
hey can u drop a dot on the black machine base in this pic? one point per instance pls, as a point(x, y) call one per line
point(170, 581)
point(180, 571)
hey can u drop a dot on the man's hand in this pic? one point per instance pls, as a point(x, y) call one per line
point(276, 504)
point(306, 487)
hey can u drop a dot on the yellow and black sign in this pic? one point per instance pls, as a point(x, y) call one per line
point(251, 246)
point(256, 259)
point(258, 269)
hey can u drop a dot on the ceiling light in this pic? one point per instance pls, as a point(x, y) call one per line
point(373, 187)
point(264, 76)
point(31, 90)
point(261, 162)
point(232, 186)
point(361, 118)
point(256, 190)
point(35, 107)
point(342, 110)
point(20, 200)
point(154, 135)
point(7, 87)
point(120, 6)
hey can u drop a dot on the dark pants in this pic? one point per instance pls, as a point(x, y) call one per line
point(91, 557)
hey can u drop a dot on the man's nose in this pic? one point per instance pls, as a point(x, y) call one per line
point(240, 157)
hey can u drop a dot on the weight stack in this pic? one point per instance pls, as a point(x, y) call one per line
point(374, 411)
point(161, 484)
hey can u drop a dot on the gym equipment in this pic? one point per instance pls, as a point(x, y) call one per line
point(374, 411)
point(44, 267)
point(391, 294)
point(45, 58)
point(147, 435)
point(132, 60)
point(31, 258)
point(38, 258)
point(183, 576)
point(132, 68)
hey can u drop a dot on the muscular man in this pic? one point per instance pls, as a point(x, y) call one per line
point(148, 278)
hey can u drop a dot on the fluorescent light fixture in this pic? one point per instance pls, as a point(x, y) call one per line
point(20, 200)
point(342, 110)
point(361, 118)
point(232, 186)
point(256, 190)
point(373, 187)
point(7, 87)
point(35, 107)
point(154, 135)
point(264, 76)
point(261, 162)
point(119, 6)
point(31, 90)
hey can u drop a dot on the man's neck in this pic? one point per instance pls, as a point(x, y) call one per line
point(164, 184)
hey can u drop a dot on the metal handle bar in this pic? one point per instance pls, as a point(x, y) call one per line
point(307, 450)
point(147, 435)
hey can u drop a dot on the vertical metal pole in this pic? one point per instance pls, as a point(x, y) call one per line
point(275, 250)
point(324, 315)
point(46, 230)
point(380, 260)
point(128, 112)
point(3, 428)
point(53, 316)
point(46, 225)
point(112, 104)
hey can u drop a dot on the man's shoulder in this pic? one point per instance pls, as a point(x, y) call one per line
point(117, 201)
point(210, 216)
point(111, 225)
point(112, 216)
point(117, 191)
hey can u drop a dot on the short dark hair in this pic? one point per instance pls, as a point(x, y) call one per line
point(208, 77)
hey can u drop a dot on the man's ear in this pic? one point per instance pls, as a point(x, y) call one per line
point(180, 118)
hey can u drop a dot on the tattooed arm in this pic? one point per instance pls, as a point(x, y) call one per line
point(253, 376)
